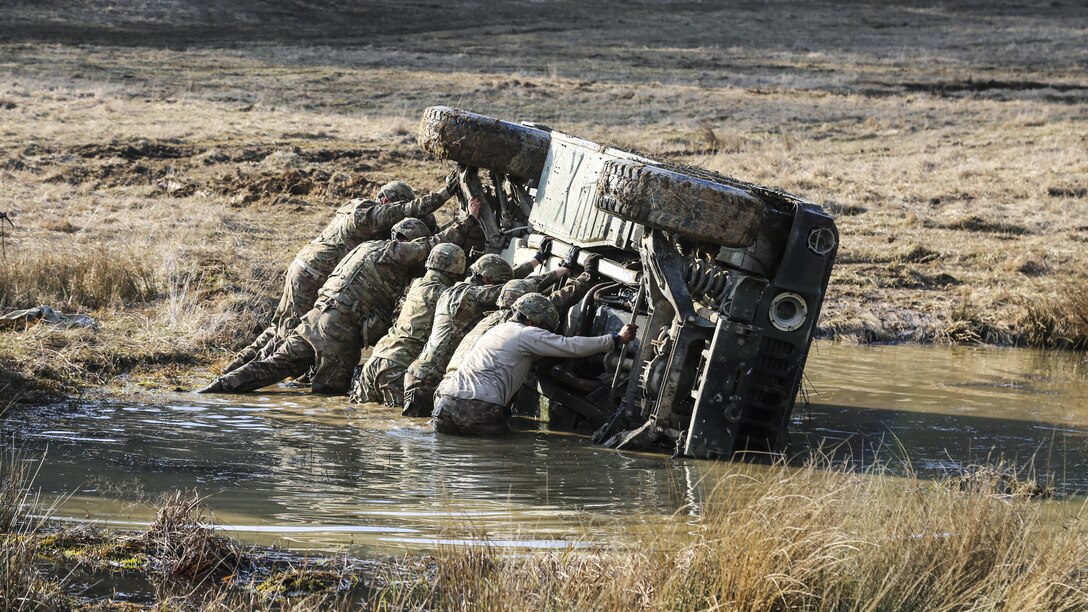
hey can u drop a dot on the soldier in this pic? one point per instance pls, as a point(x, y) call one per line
point(357, 221)
point(382, 378)
point(474, 400)
point(353, 309)
point(458, 309)
point(562, 298)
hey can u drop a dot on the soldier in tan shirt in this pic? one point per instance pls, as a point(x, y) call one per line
point(474, 400)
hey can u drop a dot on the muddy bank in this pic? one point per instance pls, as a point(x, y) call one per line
point(181, 560)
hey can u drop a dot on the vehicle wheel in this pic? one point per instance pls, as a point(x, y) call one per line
point(670, 201)
point(484, 142)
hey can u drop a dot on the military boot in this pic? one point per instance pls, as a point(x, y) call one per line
point(215, 387)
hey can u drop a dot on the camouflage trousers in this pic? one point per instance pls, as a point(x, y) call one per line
point(293, 357)
point(330, 339)
point(419, 392)
point(468, 417)
point(379, 381)
point(300, 289)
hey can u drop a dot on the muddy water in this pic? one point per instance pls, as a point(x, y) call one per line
point(944, 408)
point(319, 474)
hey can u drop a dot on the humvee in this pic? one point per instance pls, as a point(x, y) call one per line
point(724, 278)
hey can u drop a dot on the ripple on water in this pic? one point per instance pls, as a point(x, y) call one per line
point(320, 470)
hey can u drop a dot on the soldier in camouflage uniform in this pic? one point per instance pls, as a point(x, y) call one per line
point(459, 308)
point(382, 378)
point(562, 298)
point(357, 221)
point(474, 400)
point(354, 308)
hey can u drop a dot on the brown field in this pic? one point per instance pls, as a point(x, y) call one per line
point(162, 162)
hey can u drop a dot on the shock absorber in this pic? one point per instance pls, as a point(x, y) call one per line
point(706, 279)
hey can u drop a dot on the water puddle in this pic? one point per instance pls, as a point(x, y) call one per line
point(318, 474)
point(945, 408)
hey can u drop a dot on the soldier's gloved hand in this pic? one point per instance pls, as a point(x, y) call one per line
point(453, 183)
point(543, 250)
point(571, 259)
point(591, 263)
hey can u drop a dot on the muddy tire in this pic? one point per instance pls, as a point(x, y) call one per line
point(484, 142)
point(674, 202)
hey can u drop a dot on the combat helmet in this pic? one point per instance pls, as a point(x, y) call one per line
point(397, 191)
point(512, 290)
point(410, 229)
point(538, 309)
point(447, 257)
point(493, 267)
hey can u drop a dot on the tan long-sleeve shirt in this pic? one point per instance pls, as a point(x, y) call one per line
point(498, 365)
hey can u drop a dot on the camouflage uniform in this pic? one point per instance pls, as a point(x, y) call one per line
point(469, 417)
point(357, 221)
point(382, 378)
point(562, 298)
point(458, 310)
point(353, 309)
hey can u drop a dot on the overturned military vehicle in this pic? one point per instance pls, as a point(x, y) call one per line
point(724, 278)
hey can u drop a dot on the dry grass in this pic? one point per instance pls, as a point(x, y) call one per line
point(88, 277)
point(189, 564)
point(1060, 320)
point(809, 539)
point(182, 544)
point(953, 156)
point(23, 586)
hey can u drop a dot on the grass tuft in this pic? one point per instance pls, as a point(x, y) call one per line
point(1059, 321)
point(182, 543)
point(817, 538)
point(77, 276)
point(23, 586)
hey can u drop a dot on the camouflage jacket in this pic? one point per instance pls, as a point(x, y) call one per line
point(458, 310)
point(356, 222)
point(374, 274)
point(560, 298)
point(406, 338)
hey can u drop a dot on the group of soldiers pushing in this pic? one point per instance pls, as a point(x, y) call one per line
point(460, 347)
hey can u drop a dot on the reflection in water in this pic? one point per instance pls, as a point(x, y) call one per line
point(948, 407)
point(318, 473)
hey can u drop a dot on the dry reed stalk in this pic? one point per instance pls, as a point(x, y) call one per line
point(91, 277)
point(817, 538)
point(182, 544)
point(23, 586)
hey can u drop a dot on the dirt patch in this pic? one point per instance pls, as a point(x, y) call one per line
point(919, 254)
point(133, 151)
point(974, 223)
point(284, 188)
point(844, 210)
point(1067, 192)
